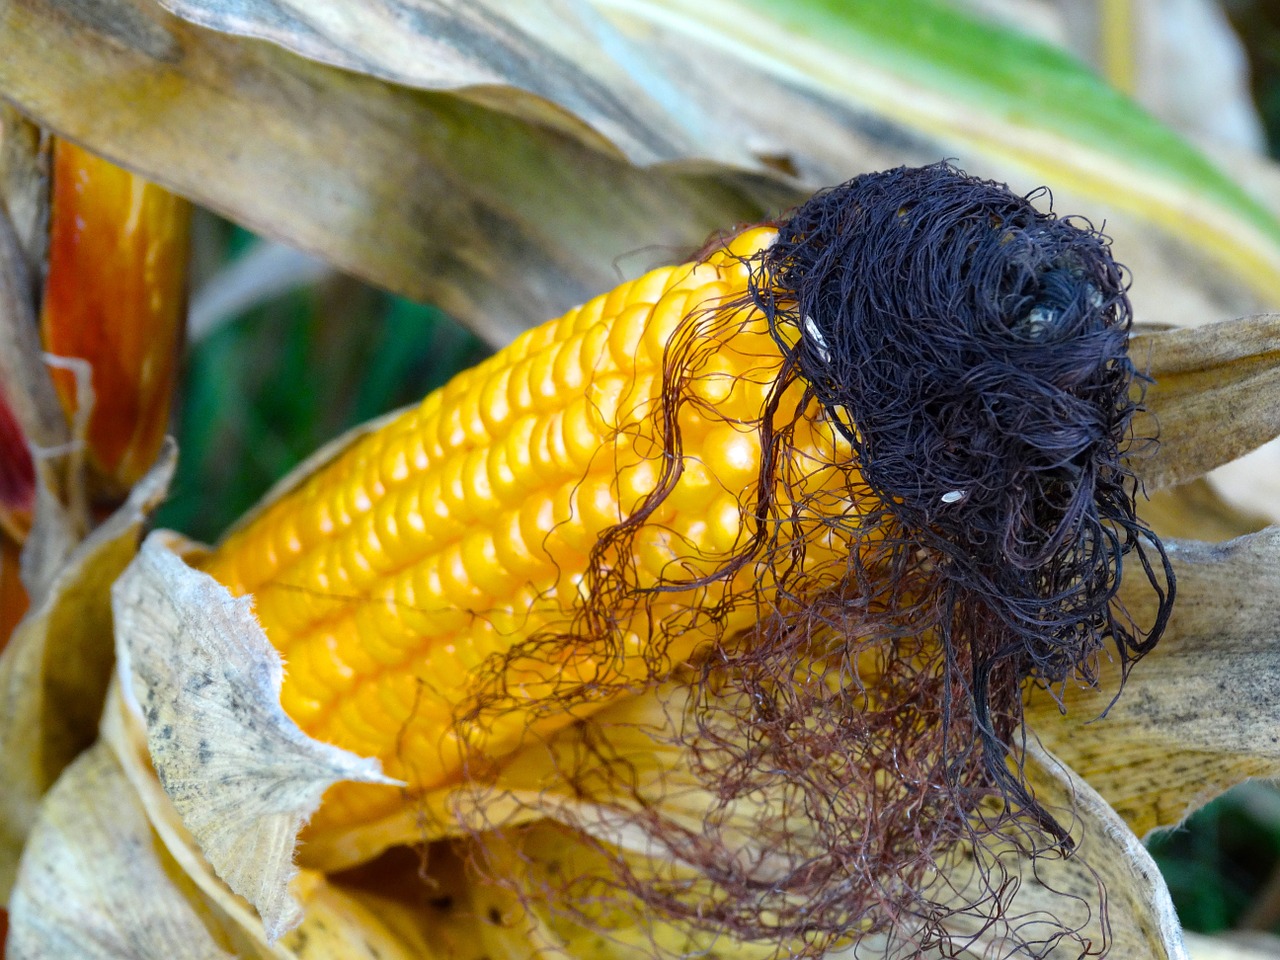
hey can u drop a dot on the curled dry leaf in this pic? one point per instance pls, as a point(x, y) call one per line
point(96, 884)
point(742, 84)
point(24, 185)
point(1199, 714)
point(1213, 396)
point(500, 222)
point(241, 774)
point(27, 387)
point(539, 836)
point(1109, 890)
point(336, 923)
point(504, 221)
point(54, 672)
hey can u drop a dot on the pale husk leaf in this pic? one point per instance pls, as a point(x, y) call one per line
point(501, 222)
point(747, 85)
point(1197, 511)
point(94, 882)
point(535, 819)
point(24, 186)
point(1213, 398)
point(55, 669)
point(1108, 890)
point(335, 923)
point(504, 220)
point(242, 776)
point(540, 865)
point(545, 779)
point(1200, 713)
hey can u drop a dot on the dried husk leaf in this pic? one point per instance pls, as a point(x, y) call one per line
point(1197, 511)
point(242, 776)
point(24, 186)
point(505, 221)
point(545, 779)
point(535, 815)
point(498, 221)
point(554, 898)
point(555, 891)
point(1199, 714)
point(743, 84)
point(27, 387)
point(54, 672)
point(96, 884)
point(1213, 398)
point(1109, 890)
point(335, 922)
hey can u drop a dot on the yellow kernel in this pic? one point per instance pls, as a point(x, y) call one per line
point(513, 553)
point(581, 430)
point(567, 369)
point(724, 530)
point(495, 406)
point(484, 570)
point(732, 454)
point(627, 334)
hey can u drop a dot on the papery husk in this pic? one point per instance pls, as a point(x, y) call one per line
point(111, 872)
point(334, 922)
point(523, 182)
point(24, 186)
point(55, 669)
point(537, 836)
point(1200, 713)
point(94, 883)
point(206, 682)
point(1212, 399)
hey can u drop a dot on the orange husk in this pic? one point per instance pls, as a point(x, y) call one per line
point(116, 297)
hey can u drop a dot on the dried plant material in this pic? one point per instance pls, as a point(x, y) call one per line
point(24, 186)
point(1212, 400)
point(56, 528)
point(54, 672)
point(335, 923)
point(741, 85)
point(1197, 511)
point(1200, 713)
point(1106, 894)
point(592, 776)
point(555, 895)
point(96, 884)
point(315, 156)
point(241, 774)
point(545, 885)
point(27, 387)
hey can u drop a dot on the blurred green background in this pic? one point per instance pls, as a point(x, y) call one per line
point(266, 386)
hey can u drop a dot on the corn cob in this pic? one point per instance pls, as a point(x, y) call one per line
point(465, 525)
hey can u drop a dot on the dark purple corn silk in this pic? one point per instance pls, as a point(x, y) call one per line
point(974, 351)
